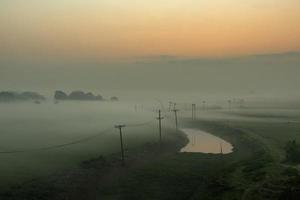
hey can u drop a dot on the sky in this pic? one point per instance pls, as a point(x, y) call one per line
point(117, 44)
point(128, 28)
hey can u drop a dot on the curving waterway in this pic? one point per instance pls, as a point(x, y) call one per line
point(201, 141)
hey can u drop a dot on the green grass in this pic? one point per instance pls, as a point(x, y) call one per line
point(195, 175)
point(255, 169)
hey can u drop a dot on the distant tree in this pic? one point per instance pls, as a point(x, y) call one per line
point(60, 95)
point(32, 96)
point(99, 97)
point(114, 99)
point(7, 96)
point(90, 95)
point(77, 95)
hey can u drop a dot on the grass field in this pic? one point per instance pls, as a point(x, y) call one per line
point(255, 170)
point(33, 128)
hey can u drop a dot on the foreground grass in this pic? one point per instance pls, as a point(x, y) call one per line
point(253, 171)
point(83, 181)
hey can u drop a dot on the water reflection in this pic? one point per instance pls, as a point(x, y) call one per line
point(200, 141)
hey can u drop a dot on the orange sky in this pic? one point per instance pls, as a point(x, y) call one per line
point(128, 28)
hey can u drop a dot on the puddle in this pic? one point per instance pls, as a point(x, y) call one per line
point(201, 141)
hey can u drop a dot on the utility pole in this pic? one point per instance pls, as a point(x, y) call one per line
point(229, 104)
point(203, 104)
point(121, 142)
point(242, 101)
point(221, 148)
point(159, 126)
point(170, 106)
point(176, 120)
point(193, 111)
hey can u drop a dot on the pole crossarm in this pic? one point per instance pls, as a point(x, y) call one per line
point(120, 126)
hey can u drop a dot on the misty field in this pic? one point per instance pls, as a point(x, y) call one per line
point(44, 133)
point(42, 140)
point(257, 168)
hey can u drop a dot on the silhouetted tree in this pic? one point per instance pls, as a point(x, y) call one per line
point(60, 95)
point(114, 99)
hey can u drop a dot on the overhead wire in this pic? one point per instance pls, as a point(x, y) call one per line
point(82, 140)
point(58, 145)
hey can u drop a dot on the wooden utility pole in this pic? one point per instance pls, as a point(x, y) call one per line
point(229, 104)
point(159, 118)
point(203, 104)
point(193, 111)
point(170, 106)
point(242, 101)
point(121, 142)
point(176, 120)
point(221, 148)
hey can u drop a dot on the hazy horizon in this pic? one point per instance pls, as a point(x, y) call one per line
point(207, 47)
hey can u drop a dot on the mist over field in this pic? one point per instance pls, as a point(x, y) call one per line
point(149, 100)
point(145, 84)
point(273, 75)
point(52, 137)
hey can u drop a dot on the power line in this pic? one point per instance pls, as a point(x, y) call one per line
point(140, 124)
point(83, 140)
point(58, 145)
